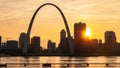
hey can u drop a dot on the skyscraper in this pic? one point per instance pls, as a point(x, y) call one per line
point(79, 31)
point(24, 41)
point(64, 46)
point(110, 37)
point(79, 36)
point(35, 42)
point(62, 34)
point(0, 40)
point(22, 38)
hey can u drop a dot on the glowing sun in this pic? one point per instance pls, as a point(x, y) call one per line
point(87, 32)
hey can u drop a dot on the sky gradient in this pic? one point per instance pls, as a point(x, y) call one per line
point(99, 15)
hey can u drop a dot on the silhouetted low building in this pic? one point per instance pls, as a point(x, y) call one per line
point(51, 46)
point(100, 42)
point(94, 42)
point(4, 46)
point(12, 45)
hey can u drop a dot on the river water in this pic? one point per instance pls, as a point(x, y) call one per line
point(60, 62)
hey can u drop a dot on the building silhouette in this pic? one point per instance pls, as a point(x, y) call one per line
point(22, 39)
point(80, 41)
point(94, 42)
point(35, 43)
point(64, 45)
point(51, 46)
point(0, 41)
point(79, 31)
point(110, 38)
point(100, 42)
point(24, 42)
point(12, 45)
point(62, 34)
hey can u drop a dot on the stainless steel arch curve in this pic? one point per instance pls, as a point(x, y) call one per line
point(64, 19)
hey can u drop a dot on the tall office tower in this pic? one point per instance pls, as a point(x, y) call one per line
point(79, 31)
point(0, 41)
point(64, 46)
point(62, 34)
point(51, 45)
point(24, 42)
point(79, 36)
point(110, 37)
point(35, 42)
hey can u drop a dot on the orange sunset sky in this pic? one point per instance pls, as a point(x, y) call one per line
point(99, 15)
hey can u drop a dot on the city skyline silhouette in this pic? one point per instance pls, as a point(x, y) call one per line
point(15, 20)
point(59, 33)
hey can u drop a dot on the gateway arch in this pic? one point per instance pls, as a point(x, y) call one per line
point(64, 19)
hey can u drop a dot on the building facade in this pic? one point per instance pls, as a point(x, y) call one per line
point(35, 43)
point(12, 45)
point(110, 37)
point(64, 45)
point(79, 37)
point(24, 42)
point(51, 46)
